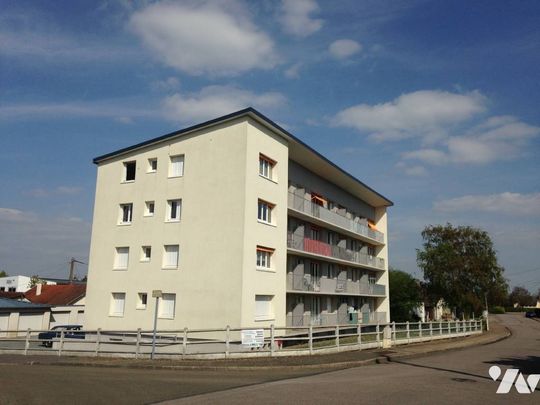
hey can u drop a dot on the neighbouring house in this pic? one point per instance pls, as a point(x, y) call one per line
point(14, 283)
point(237, 222)
point(66, 301)
point(19, 316)
point(434, 312)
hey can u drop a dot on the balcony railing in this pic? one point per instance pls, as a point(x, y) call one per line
point(306, 206)
point(308, 283)
point(336, 318)
point(324, 249)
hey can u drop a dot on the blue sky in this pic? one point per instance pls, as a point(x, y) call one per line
point(434, 104)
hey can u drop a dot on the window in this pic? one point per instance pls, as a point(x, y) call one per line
point(118, 301)
point(2, 288)
point(152, 165)
point(177, 166)
point(149, 208)
point(166, 306)
point(170, 257)
point(266, 166)
point(263, 307)
point(264, 256)
point(126, 213)
point(315, 233)
point(264, 212)
point(372, 278)
point(129, 170)
point(12, 289)
point(174, 210)
point(371, 251)
point(146, 253)
point(122, 258)
point(142, 298)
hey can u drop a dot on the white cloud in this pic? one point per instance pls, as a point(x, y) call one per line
point(213, 101)
point(296, 19)
point(504, 203)
point(210, 37)
point(498, 138)
point(170, 83)
point(293, 72)
point(343, 48)
point(13, 215)
point(418, 114)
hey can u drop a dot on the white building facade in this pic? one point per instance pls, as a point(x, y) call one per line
point(15, 283)
point(238, 223)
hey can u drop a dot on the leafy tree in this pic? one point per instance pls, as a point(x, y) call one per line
point(460, 265)
point(35, 279)
point(522, 297)
point(405, 295)
point(3, 274)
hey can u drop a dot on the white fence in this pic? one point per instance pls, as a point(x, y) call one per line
point(232, 342)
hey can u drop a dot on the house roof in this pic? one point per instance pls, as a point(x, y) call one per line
point(7, 303)
point(66, 294)
point(323, 164)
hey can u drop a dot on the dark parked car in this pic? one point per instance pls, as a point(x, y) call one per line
point(70, 332)
point(531, 314)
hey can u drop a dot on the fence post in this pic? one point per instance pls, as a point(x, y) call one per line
point(449, 328)
point(408, 332)
point(420, 329)
point(310, 336)
point(272, 332)
point(431, 329)
point(27, 342)
point(61, 343)
point(227, 340)
point(440, 328)
point(337, 336)
point(359, 333)
point(98, 335)
point(138, 343)
point(394, 337)
point(184, 342)
point(377, 334)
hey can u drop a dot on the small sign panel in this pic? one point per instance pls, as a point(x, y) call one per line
point(253, 338)
point(156, 293)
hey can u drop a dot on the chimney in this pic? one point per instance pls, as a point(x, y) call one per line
point(38, 289)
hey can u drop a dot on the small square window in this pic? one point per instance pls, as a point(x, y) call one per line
point(142, 299)
point(149, 208)
point(264, 212)
point(176, 168)
point(174, 210)
point(129, 170)
point(146, 253)
point(266, 166)
point(126, 214)
point(152, 165)
point(264, 256)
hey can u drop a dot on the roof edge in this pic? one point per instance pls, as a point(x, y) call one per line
point(250, 111)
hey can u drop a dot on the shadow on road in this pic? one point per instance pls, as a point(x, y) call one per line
point(527, 365)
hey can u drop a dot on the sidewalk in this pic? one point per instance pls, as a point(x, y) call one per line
point(322, 362)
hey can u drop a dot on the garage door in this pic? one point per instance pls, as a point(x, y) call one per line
point(30, 321)
point(59, 318)
point(4, 320)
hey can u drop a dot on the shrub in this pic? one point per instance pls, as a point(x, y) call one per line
point(496, 310)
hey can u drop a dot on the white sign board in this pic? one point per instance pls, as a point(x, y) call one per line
point(253, 338)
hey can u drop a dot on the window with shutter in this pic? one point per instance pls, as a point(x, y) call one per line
point(177, 166)
point(167, 305)
point(121, 259)
point(170, 257)
point(263, 307)
point(118, 301)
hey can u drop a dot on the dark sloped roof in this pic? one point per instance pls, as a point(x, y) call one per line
point(7, 303)
point(250, 111)
point(57, 294)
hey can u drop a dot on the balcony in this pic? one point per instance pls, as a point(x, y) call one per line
point(328, 218)
point(339, 254)
point(323, 285)
point(336, 318)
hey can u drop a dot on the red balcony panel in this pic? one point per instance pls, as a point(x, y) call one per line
point(317, 247)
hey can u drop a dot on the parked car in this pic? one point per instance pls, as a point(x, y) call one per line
point(530, 314)
point(70, 332)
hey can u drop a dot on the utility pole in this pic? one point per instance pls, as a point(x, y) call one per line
point(487, 312)
point(72, 268)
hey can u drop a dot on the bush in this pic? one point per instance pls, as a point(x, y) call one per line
point(517, 309)
point(497, 310)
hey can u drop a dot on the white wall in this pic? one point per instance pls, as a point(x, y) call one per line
point(21, 283)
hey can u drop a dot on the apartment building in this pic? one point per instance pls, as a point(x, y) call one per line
point(238, 223)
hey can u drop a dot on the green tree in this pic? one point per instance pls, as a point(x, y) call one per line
point(460, 265)
point(405, 295)
point(3, 274)
point(522, 297)
point(35, 279)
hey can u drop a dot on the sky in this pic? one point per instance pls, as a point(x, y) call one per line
point(433, 104)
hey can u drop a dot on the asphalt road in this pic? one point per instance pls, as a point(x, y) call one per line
point(456, 376)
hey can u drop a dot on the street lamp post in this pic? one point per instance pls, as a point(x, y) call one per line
point(157, 294)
